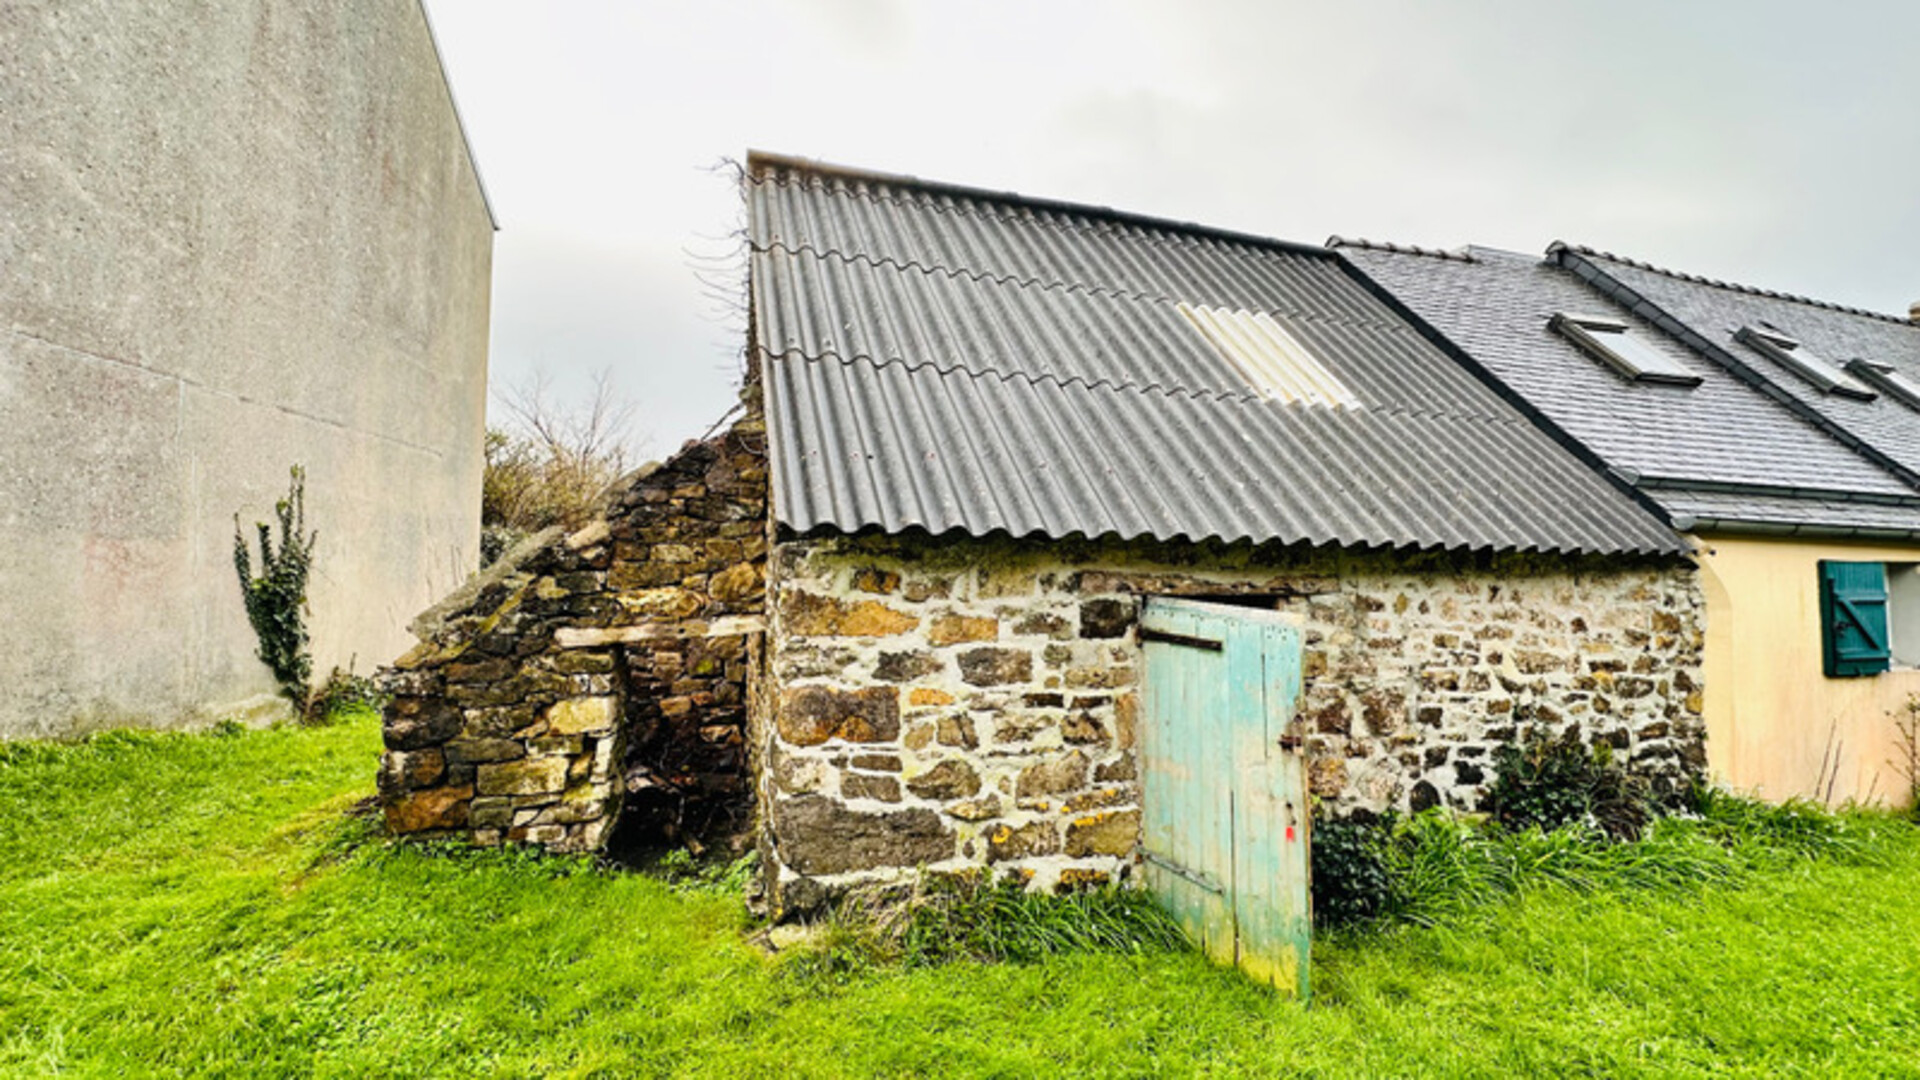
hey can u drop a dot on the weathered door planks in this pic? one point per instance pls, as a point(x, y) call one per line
point(1226, 820)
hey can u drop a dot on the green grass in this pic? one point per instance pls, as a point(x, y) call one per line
point(205, 905)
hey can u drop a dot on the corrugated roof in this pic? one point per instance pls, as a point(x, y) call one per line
point(1723, 450)
point(945, 359)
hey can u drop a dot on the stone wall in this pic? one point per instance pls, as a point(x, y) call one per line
point(585, 670)
point(951, 704)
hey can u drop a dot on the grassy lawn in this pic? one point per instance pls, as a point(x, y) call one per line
point(204, 905)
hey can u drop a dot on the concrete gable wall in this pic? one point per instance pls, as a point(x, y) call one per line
point(236, 237)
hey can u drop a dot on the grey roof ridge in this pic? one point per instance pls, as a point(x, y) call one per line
point(1733, 286)
point(1464, 254)
point(1621, 480)
point(1583, 267)
point(818, 171)
point(1046, 285)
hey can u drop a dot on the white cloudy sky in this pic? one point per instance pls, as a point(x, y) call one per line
point(1772, 143)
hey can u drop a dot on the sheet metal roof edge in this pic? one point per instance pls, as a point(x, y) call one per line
point(1733, 286)
point(1621, 481)
point(759, 160)
point(1584, 266)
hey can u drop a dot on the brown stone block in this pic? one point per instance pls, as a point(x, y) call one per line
point(583, 715)
point(1100, 678)
point(1083, 728)
point(810, 715)
point(1027, 841)
point(871, 618)
point(1094, 800)
point(957, 731)
point(920, 589)
point(1040, 623)
point(1067, 772)
point(950, 779)
point(861, 786)
point(976, 809)
point(1327, 776)
point(436, 808)
point(531, 776)
point(954, 629)
point(1119, 769)
point(417, 723)
point(742, 581)
point(905, 666)
point(402, 770)
point(1114, 832)
point(1105, 618)
point(926, 695)
point(816, 835)
point(479, 751)
point(996, 666)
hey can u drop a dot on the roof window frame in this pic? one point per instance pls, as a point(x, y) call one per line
point(1591, 333)
point(1817, 371)
point(1887, 379)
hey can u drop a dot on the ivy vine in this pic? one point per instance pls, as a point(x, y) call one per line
point(277, 599)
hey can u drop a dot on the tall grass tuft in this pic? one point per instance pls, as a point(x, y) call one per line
point(946, 917)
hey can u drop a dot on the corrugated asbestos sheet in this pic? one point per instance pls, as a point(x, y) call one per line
point(941, 359)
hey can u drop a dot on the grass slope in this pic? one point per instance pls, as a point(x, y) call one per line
point(202, 905)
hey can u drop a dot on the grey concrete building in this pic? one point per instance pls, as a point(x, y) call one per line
point(234, 237)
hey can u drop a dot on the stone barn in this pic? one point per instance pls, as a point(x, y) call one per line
point(891, 618)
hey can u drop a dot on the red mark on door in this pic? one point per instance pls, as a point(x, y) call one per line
point(1289, 834)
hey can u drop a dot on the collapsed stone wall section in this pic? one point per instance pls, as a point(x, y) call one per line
point(585, 668)
point(964, 704)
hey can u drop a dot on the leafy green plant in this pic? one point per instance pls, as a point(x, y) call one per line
point(277, 599)
point(1350, 881)
point(1546, 783)
point(344, 696)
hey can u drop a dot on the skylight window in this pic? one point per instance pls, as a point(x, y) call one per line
point(1271, 360)
point(1802, 361)
point(1610, 342)
point(1884, 378)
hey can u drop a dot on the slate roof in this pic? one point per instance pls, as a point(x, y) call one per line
point(1752, 446)
point(947, 359)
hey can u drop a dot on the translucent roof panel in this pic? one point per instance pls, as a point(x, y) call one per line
point(1610, 342)
point(1800, 360)
point(1271, 360)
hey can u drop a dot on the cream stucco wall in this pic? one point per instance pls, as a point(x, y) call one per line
point(1775, 724)
point(234, 237)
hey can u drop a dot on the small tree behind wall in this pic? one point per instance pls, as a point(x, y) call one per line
point(277, 599)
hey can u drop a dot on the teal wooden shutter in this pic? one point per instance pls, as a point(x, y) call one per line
point(1853, 618)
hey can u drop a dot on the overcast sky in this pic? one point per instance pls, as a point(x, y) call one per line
point(1776, 144)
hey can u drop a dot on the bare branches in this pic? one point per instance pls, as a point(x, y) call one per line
point(550, 462)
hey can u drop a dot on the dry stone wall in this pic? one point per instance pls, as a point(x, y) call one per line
point(589, 670)
point(962, 704)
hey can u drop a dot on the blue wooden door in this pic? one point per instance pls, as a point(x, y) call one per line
point(1223, 787)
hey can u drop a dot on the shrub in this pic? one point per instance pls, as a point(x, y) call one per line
point(343, 696)
point(1547, 783)
point(550, 464)
point(1350, 881)
point(277, 600)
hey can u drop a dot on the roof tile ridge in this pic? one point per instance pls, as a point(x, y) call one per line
point(1030, 378)
point(1016, 208)
point(1336, 242)
point(1731, 286)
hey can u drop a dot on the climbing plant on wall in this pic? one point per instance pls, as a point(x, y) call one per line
point(277, 599)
